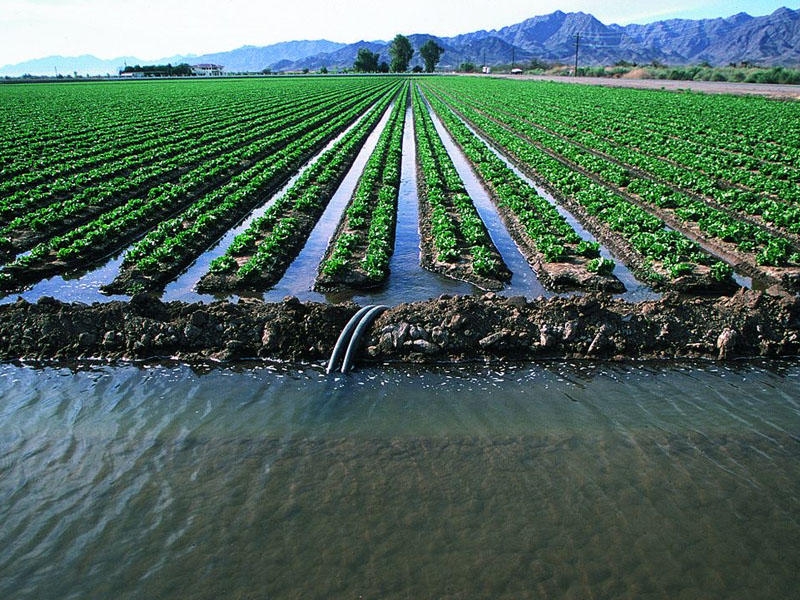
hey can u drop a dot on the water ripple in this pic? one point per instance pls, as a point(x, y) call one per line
point(567, 479)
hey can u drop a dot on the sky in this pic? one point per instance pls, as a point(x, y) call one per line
point(153, 29)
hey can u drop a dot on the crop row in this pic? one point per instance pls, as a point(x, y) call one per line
point(259, 256)
point(98, 146)
point(744, 133)
point(83, 133)
point(461, 246)
point(171, 246)
point(622, 154)
point(358, 255)
point(657, 253)
point(536, 223)
point(686, 209)
point(270, 159)
point(83, 176)
point(116, 182)
point(730, 182)
point(74, 168)
point(47, 123)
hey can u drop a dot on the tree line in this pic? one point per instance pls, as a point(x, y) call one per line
point(401, 52)
point(181, 70)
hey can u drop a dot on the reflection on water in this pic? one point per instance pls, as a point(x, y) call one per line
point(547, 481)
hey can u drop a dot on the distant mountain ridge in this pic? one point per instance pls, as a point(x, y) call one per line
point(244, 59)
point(772, 40)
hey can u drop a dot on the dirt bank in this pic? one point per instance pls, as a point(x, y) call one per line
point(769, 90)
point(748, 324)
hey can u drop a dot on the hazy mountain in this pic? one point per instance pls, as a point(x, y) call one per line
point(246, 58)
point(258, 58)
point(770, 40)
point(68, 65)
point(341, 58)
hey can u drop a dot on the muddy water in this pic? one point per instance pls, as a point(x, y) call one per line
point(546, 481)
point(79, 287)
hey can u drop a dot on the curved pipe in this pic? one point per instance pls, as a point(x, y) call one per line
point(365, 321)
point(344, 337)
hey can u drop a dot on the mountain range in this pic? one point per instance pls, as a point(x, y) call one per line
point(772, 40)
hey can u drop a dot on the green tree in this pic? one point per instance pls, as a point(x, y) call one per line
point(401, 52)
point(430, 52)
point(366, 61)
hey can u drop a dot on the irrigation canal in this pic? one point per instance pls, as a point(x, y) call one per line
point(560, 480)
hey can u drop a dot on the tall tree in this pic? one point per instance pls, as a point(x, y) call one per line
point(401, 53)
point(366, 61)
point(430, 52)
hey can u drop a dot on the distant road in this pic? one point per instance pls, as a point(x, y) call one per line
point(789, 92)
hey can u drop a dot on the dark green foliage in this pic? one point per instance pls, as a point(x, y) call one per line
point(430, 52)
point(401, 52)
point(366, 61)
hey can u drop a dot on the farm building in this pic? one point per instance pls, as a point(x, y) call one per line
point(207, 70)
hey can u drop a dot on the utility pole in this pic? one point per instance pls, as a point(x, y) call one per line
point(577, 45)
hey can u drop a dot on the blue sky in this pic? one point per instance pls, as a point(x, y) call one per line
point(152, 29)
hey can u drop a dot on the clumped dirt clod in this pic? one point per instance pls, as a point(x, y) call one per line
point(447, 329)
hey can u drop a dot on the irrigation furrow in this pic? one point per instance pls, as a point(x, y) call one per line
point(561, 258)
point(93, 242)
point(360, 249)
point(455, 241)
point(184, 286)
point(62, 214)
point(636, 289)
point(615, 213)
point(637, 193)
point(524, 281)
point(80, 169)
point(259, 257)
point(168, 249)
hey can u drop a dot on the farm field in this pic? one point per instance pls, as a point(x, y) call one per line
point(683, 189)
point(583, 381)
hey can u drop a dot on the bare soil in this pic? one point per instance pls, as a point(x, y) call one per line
point(769, 90)
point(447, 329)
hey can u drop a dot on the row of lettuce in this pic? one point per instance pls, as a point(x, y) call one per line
point(208, 190)
point(175, 150)
point(455, 240)
point(535, 223)
point(645, 182)
point(260, 255)
point(358, 255)
point(665, 194)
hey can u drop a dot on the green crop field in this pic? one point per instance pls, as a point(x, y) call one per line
point(680, 187)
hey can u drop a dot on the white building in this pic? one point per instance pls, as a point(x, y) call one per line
point(207, 70)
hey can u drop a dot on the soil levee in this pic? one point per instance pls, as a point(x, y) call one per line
point(447, 329)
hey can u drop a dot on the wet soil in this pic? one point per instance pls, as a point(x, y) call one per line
point(447, 329)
